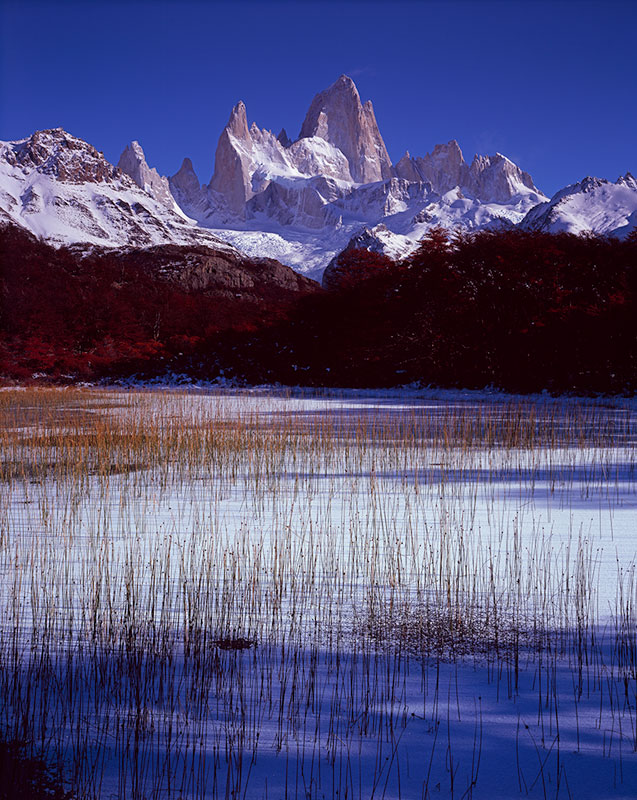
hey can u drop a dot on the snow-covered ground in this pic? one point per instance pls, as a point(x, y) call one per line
point(269, 594)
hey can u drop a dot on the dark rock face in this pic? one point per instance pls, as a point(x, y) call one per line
point(69, 159)
point(220, 272)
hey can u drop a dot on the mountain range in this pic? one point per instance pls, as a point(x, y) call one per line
point(299, 201)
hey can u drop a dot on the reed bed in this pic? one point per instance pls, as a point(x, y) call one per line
point(237, 596)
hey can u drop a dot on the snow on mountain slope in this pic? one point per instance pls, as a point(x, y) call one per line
point(592, 205)
point(61, 189)
point(301, 201)
point(407, 212)
point(305, 252)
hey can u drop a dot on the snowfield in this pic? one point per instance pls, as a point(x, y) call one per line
point(263, 594)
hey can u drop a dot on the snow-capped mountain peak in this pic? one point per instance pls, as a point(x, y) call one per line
point(62, 189)
point(627, 180)
point(56, 153)
point(591, 205)
point(489, 179)
point(303, 200)
point(298, 201)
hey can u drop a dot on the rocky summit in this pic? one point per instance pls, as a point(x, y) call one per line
point(300, 201)
point(337, 116)
point(303, 201)
point(62, 189)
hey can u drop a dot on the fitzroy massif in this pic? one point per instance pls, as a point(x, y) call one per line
point(300, 202)
point(117, 269)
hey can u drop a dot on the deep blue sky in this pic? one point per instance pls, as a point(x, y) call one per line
point(553, 85)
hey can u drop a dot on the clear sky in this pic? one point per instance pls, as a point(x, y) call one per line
point(552, 85)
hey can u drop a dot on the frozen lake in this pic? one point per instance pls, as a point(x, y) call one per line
point(269, 595)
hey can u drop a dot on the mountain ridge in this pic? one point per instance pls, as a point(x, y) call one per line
point(62, 189)
point(301, 202)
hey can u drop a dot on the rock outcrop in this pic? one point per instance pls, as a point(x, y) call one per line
point(133, 162)
point(185, 186)
point(337, 115)
point(489, 179)
point(444, 167)
point(232, 175)
point(497, 179)
point(61, 156)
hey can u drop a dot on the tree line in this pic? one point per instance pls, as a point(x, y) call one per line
point(522, 311)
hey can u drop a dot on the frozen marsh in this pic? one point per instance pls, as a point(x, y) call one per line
point(262, 595)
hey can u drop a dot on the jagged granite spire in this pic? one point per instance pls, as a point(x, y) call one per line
point(133, 162)
point(337, 115)
point(283, 138)
point(185, 186)
point(231, 177)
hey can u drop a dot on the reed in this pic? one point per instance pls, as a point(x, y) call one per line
point(274, 596)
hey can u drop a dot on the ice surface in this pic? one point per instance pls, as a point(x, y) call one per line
point(532, 500)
